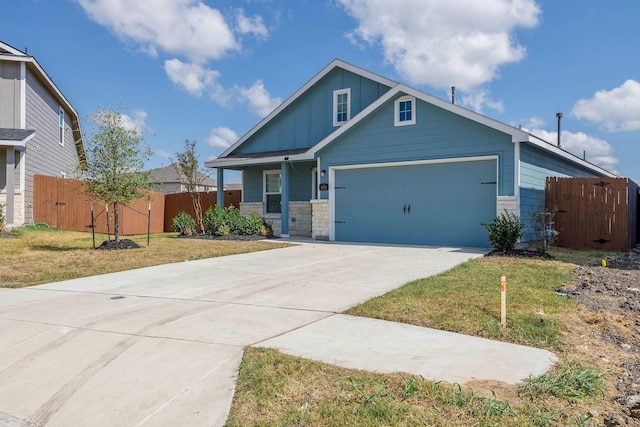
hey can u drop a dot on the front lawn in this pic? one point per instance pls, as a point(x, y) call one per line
point(35, 256)
point(274, 389)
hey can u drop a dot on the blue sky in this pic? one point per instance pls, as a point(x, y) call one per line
point(210, 70)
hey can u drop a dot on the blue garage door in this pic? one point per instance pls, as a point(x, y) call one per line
point(440, 204)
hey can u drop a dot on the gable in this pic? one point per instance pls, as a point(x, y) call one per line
point(309, 118)
point(437, 134)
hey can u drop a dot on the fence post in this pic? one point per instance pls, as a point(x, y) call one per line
point(149, 225)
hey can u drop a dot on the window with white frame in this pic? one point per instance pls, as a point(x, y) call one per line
point(272, 192)
point(405, 111)
point(341, 106)
point(61, 126)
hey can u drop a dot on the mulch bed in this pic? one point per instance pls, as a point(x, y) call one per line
point(229, 237)
point(110, 245)
point(521, 253)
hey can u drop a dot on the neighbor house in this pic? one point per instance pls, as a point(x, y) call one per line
point(39, 132)
point(167, 180)
point(353, 156)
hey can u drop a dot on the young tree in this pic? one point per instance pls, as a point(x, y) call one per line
point(115, 160)
point(188, 168)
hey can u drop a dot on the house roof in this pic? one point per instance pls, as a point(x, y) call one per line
point(10, 53)
point(170, 174)
point(227, 159)
point(15, 137)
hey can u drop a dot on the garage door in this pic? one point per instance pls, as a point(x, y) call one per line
point(430, 204)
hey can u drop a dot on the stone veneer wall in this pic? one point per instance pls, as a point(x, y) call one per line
point(18, 211)
point(300, 219)
point(508, 203)
point(320, 219)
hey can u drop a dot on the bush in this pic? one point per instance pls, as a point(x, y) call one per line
point(183, 223)
point(504, 231)
point(229, 221)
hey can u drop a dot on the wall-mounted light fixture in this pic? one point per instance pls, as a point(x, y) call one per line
point(323, 172)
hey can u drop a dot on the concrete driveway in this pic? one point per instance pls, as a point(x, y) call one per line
point(161, 345)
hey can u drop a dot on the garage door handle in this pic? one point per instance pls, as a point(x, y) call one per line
point(409, 209)
point(404, 209)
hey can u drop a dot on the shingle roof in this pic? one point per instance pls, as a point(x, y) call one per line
point(169, 174)
point(17, 135)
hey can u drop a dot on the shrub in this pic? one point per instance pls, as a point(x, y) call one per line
point(223, 222)
point(183, 223)
point(504, 231)
point(2, 218)
point(213, 219)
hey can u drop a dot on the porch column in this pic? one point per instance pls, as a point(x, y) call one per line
point(284, 167)
point(11, 186)
point(220, 188)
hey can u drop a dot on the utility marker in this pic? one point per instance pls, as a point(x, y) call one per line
point(503, 305)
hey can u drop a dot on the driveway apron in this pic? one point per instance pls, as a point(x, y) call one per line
point(162, 345)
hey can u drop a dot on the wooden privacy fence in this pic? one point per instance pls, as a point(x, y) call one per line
point(62, 203)
point(594, 213)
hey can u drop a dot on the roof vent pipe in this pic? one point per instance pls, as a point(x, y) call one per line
point(453, 94)
point(559, 116)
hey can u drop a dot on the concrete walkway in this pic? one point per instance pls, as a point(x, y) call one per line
point(161, 345)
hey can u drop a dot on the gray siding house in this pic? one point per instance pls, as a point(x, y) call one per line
point(167, 180)
point(353, 156)
point(39, 132)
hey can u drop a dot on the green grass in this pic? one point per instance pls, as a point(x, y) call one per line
point(274, 389)
point(466, 300)
point(570, 380)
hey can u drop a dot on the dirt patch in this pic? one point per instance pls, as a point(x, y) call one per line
point(611, 327)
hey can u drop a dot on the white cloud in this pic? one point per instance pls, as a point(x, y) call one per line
point(163, 154)
point(597, 151)
point(259, 99)
point(194, 78)
point(222, 137)
point(615, 110)
point(477, 98)
point(459, 43)
point(251, 25)
point(135, 121)
point(187, 28)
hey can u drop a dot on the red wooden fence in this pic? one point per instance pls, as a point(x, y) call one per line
point(62, 203)
point(594, 213)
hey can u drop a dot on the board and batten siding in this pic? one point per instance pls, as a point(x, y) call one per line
point(45, 156)
point(309, 119)
point(437, 134)
point(10, 95)
point(300, 179)
point(535, 167)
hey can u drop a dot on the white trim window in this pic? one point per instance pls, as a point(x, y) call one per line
point(61, 126)
point(272, 195)
point(341, 106)
point(404, 111)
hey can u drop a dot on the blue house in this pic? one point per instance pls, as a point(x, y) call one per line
point(353, 156)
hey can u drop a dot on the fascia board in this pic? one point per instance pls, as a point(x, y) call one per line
point(315, 79)
point(222, 162)
point(12, 49)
